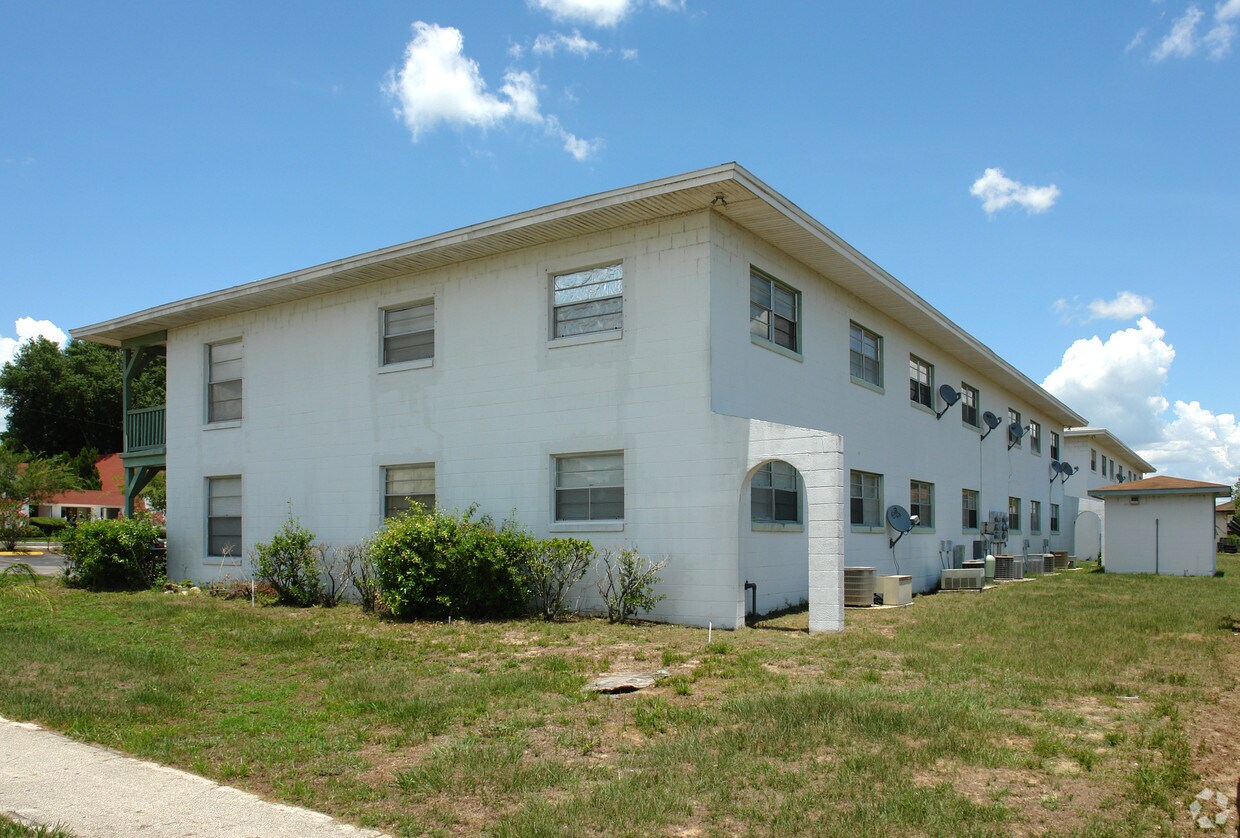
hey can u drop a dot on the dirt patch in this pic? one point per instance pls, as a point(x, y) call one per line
point(1214, 731)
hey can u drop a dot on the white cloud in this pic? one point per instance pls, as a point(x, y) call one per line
point(1183, 40)
point(438, 84)
point(998, 191)
point(27, 328)
point(1117, 384)
point(1125, 306)
point(628, 54)
point(604, 13)
point(1137, 40)
point(575, 43)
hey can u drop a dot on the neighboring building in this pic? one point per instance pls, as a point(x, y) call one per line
point(1101, 459)
point(1223, 514)
point(692, 366)
point(90, 504)
point(1160, 525)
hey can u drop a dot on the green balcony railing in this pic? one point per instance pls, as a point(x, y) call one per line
point(144, 428)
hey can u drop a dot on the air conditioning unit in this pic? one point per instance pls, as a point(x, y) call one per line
point(1034, 566)
point(958, 556)
point(1009, 567)
point(896, 590)
point(859, 586)
point(962, 579)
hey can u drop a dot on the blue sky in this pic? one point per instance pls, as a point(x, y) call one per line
point(1061, 179)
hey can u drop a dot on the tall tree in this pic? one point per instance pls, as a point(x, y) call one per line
point(31, 479)
point(61, 401)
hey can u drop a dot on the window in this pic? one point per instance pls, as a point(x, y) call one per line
point(586, 301)
point(589, 487)
point(773, 311)
point(865, 355)
point(969, 398)
point(920, 382)
point(1104, 465)
point(1121, 474)
point(866, 499)
point(1054, 446)
point(409, 333)
point(1035, 516)
point(1035, 437)
point(968, 509)
point(1093, 459)
point(1014, 514)
point(1112, 469)
point(405, 485)
point(224, 517)
point(1013, 422)
point(224, 381)
point(921, 502)
point(773, 494)
point(1054, 518)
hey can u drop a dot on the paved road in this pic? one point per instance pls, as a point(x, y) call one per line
point(48, 564)
point(47, 778)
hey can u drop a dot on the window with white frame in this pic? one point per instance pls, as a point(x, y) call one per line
point(1035, 516)
point(1054, 518)
point(589, 487)
point(865, 499)
point(409, 333)
point(1054, 445)
point(224, 517)
point(224, 381)
point(773, 495)
point(774, 311)
point(1014, 514)
point(968, 509)
point(1013, 423)
point(921, 382)
point(406, 485)
point(921, 502)
point(969, 400)
point(1035, 438)
point(865, 355)
point(587, 301)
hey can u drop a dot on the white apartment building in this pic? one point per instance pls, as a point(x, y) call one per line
point(692, 366)
point(1101, 459)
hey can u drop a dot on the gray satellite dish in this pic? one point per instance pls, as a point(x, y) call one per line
point(1067, 470)
point(900, 521)
point(991, 421)
point(1056, 469)
point(1015, 432)
point(949, 396)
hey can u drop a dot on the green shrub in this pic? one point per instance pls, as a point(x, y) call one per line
point(626, 583)
point(289, 563)
point(13, 522)
point(554, 567)
point(438, 564)
point(112, 555)
point(49, 527)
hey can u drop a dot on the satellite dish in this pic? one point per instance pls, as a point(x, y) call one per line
point(1056, 469)
point(1067, 470)
point(898, 519)
point(1015, 432)
point(949, 396)
point(991, 421)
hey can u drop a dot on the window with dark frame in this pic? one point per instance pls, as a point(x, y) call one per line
point(774, 311)
point(1035, 438)
point(1013, 421)
point(969, 398)
point(921, 382)
point(1054, 518)
point(865, 499)
point(968, 509)
point(921, 502)
point(1035, 516)
point(1054, 445)
point(1014, 514)
point(865, 355)
point(587, 301)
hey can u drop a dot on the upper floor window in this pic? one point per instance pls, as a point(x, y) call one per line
point(589, 487)
point(969, 398)
point(921, 502)
point(865, 355)
point(224, 381)
point(588, 300)
point(409, 333)
point(1035, 437)
point(1104, 465)
point(865, 499)
point(1093, 459)
point(774, 311)
point(1054, 446)
point(405, 485)
point(1013, 424)
point(920, 382)
point(773, 494)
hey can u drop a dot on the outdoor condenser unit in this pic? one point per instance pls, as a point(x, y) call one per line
point(963, 579)
point(859, 586)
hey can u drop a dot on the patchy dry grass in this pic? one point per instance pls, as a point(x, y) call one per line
point(1081, 703)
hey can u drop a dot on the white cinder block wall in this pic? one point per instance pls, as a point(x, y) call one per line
point(883, 433)
point(1166, 534)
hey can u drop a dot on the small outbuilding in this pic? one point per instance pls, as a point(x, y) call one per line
point(1162, 525)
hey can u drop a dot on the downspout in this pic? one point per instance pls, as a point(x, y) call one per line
point(754, 587)
point(1156, 528)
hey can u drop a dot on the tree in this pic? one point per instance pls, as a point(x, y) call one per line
point(156, 493)
point(61, 401)
point(31, 479)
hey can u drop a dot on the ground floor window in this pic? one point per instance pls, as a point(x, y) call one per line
point(968, 509)
point(921, 502)
point(1054, 517)
point(866, 499)
point(224, 517)
point(1014, 514)
point(406, 485)
point(1035, 516)
point(773, 494)
point(589, 487)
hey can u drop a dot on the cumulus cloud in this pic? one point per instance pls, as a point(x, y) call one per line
point(1125, 306)
point(1117, 384)
point(1184, 41)
point(604, 13)
point(27, 328)
point(439, 84)
point(997, 191)
point(576, 43)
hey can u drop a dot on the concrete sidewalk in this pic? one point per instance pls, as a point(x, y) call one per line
point(47, 778)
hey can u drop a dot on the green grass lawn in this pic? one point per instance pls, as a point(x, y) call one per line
point(1081, 703)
